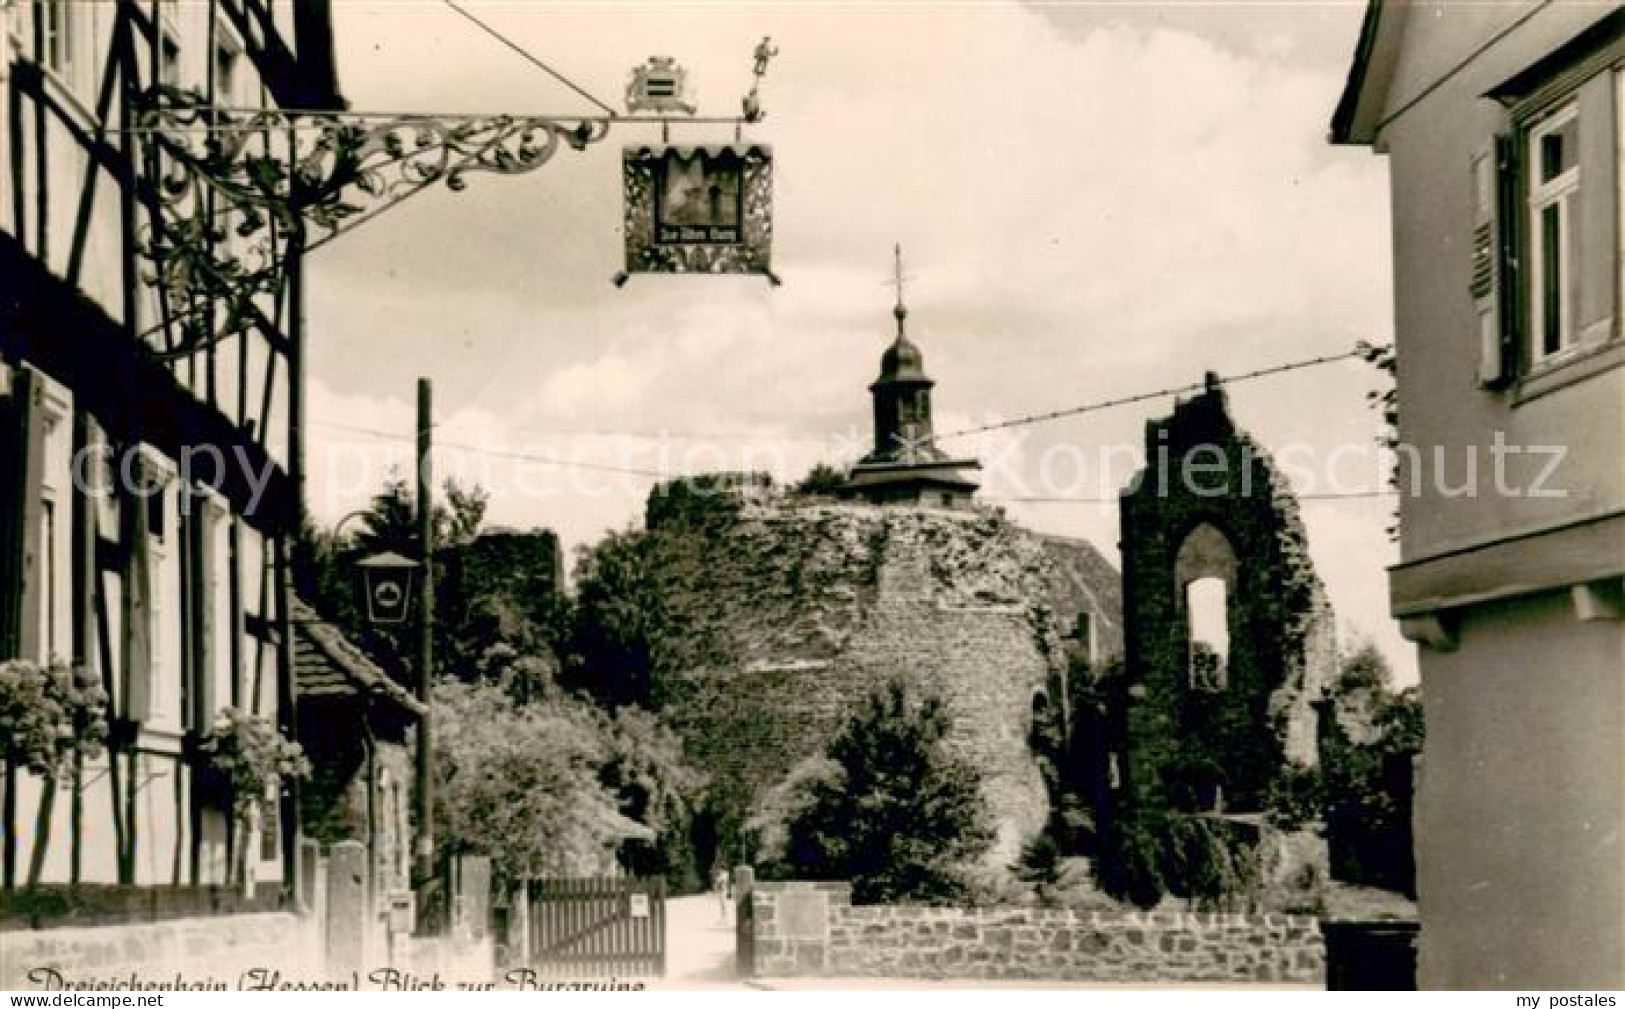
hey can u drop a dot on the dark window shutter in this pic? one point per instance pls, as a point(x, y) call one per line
point(137, 603)
point(200, 525)
point(1494, 282)
point(22, 459)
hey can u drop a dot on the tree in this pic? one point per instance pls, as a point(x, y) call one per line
point(521, 784)
point(459, 521)
point(1370, 737)
point(822, 479)
point(899, 815)
point(550, 785)
point(391, 520)
point(644, 767)
point(1362, 787)
point(390, 523)
point(1069, 740)
point(614, 622)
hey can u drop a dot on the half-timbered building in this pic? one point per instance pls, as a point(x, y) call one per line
point(149, 408)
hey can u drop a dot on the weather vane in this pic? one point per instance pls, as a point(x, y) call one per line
point(765, 51)
point(897, 272)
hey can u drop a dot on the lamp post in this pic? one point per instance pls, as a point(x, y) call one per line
point(389, 583)
point(424, 855)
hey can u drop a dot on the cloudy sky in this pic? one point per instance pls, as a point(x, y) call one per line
point(1094, 200)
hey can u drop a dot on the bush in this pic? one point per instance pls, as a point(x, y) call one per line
point(899, 816)
point(48, 715)
point(1211, 862)
point(253, 758)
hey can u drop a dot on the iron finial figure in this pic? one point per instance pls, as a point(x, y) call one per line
point(765, 51)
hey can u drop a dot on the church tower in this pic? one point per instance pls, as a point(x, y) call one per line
point(906, 467)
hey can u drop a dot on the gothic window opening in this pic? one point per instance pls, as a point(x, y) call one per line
point(1205, 570)
point(1208, 615)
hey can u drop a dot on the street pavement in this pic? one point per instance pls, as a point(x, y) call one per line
point(699, 945)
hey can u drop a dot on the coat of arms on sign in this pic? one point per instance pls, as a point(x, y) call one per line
point(661, 86)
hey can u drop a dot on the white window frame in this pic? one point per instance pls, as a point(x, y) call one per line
point(1562, 192)
point(57, 36)
point(55, 536)
point(164, 639)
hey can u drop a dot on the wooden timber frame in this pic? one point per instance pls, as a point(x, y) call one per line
point(176, 601)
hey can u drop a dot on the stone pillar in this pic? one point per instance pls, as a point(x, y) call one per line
point(348, 911)
point(471, 895)
point(744, 921)
point(309, 854)
point(519, 925)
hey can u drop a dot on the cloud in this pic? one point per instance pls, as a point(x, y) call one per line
point(1093, 201)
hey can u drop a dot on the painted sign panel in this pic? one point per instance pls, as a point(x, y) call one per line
point(698, 209)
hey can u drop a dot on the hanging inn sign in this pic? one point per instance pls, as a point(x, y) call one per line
point(696, 208)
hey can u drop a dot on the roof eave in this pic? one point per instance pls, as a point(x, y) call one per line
point(1358, 117)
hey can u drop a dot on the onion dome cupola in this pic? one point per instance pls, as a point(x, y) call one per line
point(905, 464)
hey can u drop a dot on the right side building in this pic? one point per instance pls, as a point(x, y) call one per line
point(1503, 125)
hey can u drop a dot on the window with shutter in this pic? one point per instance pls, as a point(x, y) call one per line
point(1553, 155)
point(1547, 217)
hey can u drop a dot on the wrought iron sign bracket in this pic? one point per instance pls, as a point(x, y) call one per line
point(231, 190)
point(235, 193)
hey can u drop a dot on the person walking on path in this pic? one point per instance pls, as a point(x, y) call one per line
point(720, 884)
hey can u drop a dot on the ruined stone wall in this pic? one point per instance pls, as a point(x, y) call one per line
point(788, 612)
point(812, 929)
point(1211, 502)
point(1081, 580)
point(503, 577)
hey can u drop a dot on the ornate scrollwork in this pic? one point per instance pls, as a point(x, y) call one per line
point(231, 190)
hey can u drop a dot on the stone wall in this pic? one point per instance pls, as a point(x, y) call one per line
point(198, 950)
point(1212, 504)
point(789, 611)
point(505, 583)
point(811, 929)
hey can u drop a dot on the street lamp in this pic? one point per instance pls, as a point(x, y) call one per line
point(386, 582)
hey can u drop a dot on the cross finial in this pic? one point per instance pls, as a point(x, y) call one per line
point(900, 311)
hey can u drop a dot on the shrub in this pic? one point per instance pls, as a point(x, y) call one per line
point(900, 816)
point(49, 714)
point(252, 756)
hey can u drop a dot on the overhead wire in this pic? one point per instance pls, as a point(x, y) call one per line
point(1030, 419)
point(1140, 397)
point(516, 47)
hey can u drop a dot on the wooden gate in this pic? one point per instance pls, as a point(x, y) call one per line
point(598, 927)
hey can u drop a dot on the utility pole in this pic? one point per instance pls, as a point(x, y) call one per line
point(425, 659)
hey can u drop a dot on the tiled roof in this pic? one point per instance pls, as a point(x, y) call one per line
point(326, 664)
